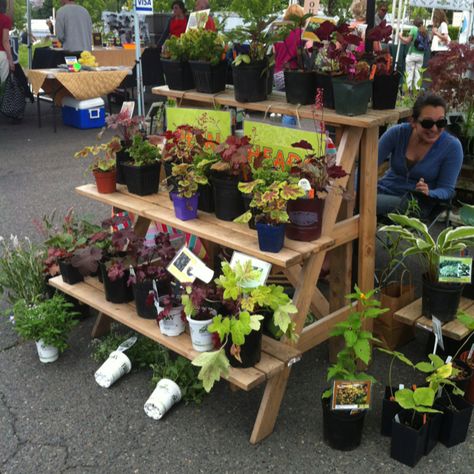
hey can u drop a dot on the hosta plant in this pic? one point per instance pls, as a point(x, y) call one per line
point(243, 305)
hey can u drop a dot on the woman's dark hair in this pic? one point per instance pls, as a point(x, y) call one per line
point(180, 5)
point(425, 100)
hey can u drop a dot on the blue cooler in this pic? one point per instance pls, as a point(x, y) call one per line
point(83, 113)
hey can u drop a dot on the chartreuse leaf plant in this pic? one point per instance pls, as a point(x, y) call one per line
point(187, 178)
point(357, 340)
point(243, 305)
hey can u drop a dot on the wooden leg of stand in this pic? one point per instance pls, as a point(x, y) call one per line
point(101, 325)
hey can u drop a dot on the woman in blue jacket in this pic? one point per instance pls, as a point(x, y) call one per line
point(425, 159)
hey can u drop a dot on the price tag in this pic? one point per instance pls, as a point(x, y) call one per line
point(186, 267)
point(438, 333)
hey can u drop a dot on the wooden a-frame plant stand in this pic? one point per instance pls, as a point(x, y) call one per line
point(300, 262)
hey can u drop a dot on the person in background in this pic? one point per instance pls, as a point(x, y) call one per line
point(425, 160)
point(50, 26)
point(359, 13)
point(415, 56)
point(286, 50)
point(204, 5)
point(6, 58)
point(74, 27)
point(441, 37)
point(382, 9)
point(176, 25)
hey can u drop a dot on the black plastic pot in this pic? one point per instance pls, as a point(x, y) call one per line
point(351, 97)
point(455, 423)
point(389, 409)
point(270, 237)
point(385, 91)
point(140, 294)
point(463, 380)
point(209, 78)
point(250, 82)
point(170, 181)
point(300, 87)
point(306, 216)
point(435, 420)
point(324, 82)
point(440, 299)
point(247, 198)
point(206, 198)
point(270, 73)
point(116, 291)
point(408, 442)
point(341, 430)
point(178, 74)
point(70, 274)
point(121, 157)
point(250, 351)
point(228, 200)
point(142, 180)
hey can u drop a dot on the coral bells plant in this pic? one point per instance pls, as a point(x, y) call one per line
point(232, 157)
point(126, 126)
point(103, 156)
point(183, 144)
point(320, 171)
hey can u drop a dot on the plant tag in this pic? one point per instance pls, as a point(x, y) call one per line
point(127, 344)
point(449, 359)
point(397, 418)
point(401, 386)
point(351, 395)
point(471, 352)
point(186, 267)
point(257, 264)
point(454, 269)
point(304, 184)
point(438, 333)
point(132, 271)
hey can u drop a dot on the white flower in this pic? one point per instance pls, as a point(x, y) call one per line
point(1, 239)
point(14, 240)
point(12, 318)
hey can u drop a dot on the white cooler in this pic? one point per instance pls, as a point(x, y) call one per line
point(83, 113)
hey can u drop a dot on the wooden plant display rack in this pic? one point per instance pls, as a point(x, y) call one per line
point(300, 262)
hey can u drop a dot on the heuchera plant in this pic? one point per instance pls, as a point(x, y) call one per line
point(103, 156)
point(320, 171)
point(231, 157)
point(183, 144)
point(187, 177)
point(242, 318)
point(126, 126)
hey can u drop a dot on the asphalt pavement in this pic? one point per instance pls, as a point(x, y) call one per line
point(54, 418)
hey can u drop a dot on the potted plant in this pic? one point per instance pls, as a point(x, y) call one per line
point(238, 324)
point(206, 52)
point(149, 272)
point(270, 201)
point(438, 299)
point(126, 127)
point(176, 68)
point(142, 172)
point(185, 196)
point(170, 318)
point(300, 82)
point(103, 165)
point(251, 66)
point(451, 73)
point(46, 322)
point(228, 165)
point(386, 80)
point(319, 172)
point(199, 303)
point(343, 428)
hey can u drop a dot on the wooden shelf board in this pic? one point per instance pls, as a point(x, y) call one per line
point(411, 315)
point(275, 355)
point(277, 103)
point(157, 207)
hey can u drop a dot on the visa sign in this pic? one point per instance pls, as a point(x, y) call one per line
point(144, 6)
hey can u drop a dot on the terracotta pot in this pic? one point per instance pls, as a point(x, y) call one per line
point(105, 181)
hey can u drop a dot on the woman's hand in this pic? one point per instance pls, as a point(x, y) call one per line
point(422, 187)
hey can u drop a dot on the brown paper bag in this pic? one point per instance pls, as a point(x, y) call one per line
point(394, 295)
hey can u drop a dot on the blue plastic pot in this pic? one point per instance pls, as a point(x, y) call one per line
point(270, 237)
point(185, 208)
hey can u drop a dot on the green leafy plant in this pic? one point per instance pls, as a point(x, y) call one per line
point(50, 320)
point(204, 45)
point(242, 318)
point(187, 178)
point(174, 49)
point(269, 201)
point(144, 151)
point(415, 232)
point(21, 270)
point(419, 400)
point(103, 156)
point(357, 348)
